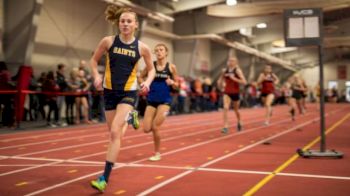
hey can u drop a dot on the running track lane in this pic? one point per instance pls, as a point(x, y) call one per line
point(159, 178)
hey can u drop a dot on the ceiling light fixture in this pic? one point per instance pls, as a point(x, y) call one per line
point(261, 25)
point(231, 2)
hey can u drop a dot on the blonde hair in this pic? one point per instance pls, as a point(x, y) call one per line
point(162, 44)
point(74, 72)
point(113, 13)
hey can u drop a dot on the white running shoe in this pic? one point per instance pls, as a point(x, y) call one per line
point(156, 157)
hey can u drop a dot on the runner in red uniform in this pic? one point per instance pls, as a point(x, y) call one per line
point(267, 80)
point(232, 76)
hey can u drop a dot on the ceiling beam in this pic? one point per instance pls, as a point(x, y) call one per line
point(142, 10)
point(186, 5)
point(331, 42)
point(233, 44)
point(272, 7)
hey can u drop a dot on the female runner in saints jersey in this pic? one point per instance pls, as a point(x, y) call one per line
point(123, 53)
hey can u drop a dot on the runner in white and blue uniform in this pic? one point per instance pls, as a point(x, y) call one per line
point(159, 97)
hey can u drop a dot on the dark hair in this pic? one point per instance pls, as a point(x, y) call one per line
point(3, 66)
point(60, 66)
point(50, 75)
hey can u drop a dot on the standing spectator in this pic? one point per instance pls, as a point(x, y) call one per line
point(334, 95)
point(50, 88)
point(252, 94)
point(196, 96)
point(297, 94)
point(183, 88)
point(82, 100)
point(83, 66)
point(41, 97)
point(73, 86)
point(213, 95)
point(206, 94)
point(7, 100)
point(62, 83)
point(33, 99)
point(305, 93)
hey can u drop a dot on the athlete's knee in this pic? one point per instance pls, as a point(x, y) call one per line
point(115, 135)
point(155, 127)
point(147, 128)
point(116, 132)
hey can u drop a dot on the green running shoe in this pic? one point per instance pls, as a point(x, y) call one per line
point(224, 130)
point(100, 184)
point(134, 119)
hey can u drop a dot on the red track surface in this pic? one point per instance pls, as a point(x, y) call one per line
point(196, 158)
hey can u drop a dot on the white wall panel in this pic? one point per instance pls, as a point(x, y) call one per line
point(311, 75)
point(67, 32)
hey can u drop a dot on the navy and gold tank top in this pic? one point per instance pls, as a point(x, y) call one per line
point(121, 65)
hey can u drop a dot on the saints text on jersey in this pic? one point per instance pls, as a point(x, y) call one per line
point(124, 51)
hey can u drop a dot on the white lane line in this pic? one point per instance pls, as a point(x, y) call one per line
point(57, 160)
point(85, 144)
point(137, 145)
point(50, 141)
point(63, 148)
point(106, 133)
point(90, 128)
point(103, 141)
point(159, 166)
point(61, 165)
point(199, 169)
point(164, 154)
point(170, 180)
point(93, 174)
point(278, 174)
point(190, 134)
point(193, 122)
point(67, 182)
point(69, 129)
point(240, 171)
point(314, 176)
point(66, 130)
point(90, 155)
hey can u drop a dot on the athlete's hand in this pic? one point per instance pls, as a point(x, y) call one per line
point(232, 77)
point(169, 81)
point(98, 82)
point(144, 88)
